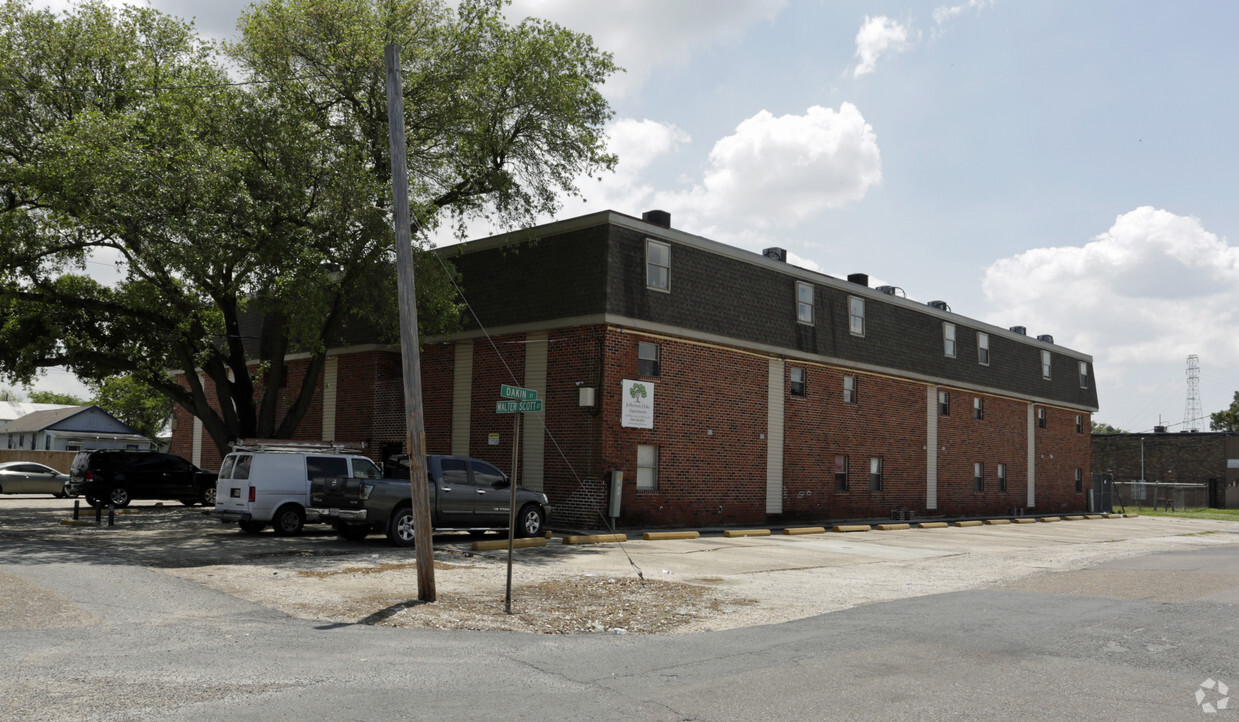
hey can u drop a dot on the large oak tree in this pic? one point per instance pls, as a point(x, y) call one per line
point(255, 182)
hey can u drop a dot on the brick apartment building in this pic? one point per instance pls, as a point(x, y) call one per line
point(727, 387)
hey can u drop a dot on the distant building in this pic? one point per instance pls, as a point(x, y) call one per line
point(70, 428)
point(1208, 459)
point(725, 386)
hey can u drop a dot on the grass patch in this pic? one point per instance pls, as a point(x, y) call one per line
point(1214, 514)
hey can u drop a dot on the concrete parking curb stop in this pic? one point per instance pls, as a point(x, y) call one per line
point(664, 535)
point(1073, 518)
point(806, 530)
point(1049, 518)
point(893, 527)
point(933, 525)
point(971, 522)
point(595, 538)
point(1024, 520)
point(746, 532)
point(490, 546)
point(997, 521)
point(850, 527)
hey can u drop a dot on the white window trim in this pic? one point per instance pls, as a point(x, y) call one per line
point(861, 316)
point(651, 486)
point(651, 242)
point(801, 304)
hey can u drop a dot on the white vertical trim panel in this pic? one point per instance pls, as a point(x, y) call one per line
point(533, 427)
point(774, 438)
point(931, 447)
point(331, 371)
point(462, 397)
point(1032, 457)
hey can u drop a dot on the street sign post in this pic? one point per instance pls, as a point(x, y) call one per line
point(522, 401)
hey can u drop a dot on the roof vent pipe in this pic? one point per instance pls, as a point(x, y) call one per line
point(859, 279)
point(658, 218)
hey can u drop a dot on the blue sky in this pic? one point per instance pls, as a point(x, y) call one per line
point(1063, 166)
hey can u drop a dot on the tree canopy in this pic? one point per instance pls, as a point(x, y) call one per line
point(1227, 419)
point(263, 194)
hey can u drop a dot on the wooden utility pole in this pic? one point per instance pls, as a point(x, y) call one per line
point(409, 342)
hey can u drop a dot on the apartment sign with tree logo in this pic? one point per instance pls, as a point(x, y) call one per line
point(637, 404)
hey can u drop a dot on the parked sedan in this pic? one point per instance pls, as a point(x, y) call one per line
point(27, 477)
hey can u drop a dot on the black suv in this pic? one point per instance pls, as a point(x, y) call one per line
point(115, 477)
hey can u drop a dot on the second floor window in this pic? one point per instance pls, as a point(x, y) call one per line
point(983, 348)
point(1002, 477)
point(1045, 364)
point(875, 473)
point(1084, 374)
point(804, 303)
point(948, 339)
point(978, 476)
point(657, 265)
point(647, 359)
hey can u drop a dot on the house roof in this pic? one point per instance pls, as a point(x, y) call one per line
point(40, 420)
point(10, 410)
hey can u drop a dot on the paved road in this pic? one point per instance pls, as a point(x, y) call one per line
point(125, 642)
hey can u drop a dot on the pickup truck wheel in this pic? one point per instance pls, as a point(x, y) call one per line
point(119, 497)
point(529, 521)
point(352, 532)
point(251, 527)
point(288, 520)
point(400, 527)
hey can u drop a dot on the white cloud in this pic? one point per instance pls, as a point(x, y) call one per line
point(776, 172)
point(648, 34)
point(878, 36)
point(947, 13)
point(1139, 297)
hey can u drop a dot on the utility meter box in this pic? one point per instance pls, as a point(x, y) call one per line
point(617, 491)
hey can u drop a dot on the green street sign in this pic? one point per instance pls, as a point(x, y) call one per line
point(518, 407)
point(516, 392)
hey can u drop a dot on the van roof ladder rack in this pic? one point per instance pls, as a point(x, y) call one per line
point(293, 445)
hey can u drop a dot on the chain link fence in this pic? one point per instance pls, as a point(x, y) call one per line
point(1136, 495)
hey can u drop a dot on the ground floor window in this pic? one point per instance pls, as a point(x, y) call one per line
point(1079, 480)
point(978, 476)
point(647, 467)
point(1002, 477)
point(875, 473)
point(841, 473)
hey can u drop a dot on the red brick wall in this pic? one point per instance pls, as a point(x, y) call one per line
point(1060, 451)
point(999, 437)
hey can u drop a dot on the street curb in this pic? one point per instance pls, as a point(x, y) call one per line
point(746, 532)
point(806, 530)
point(595, 538)
point(663, 535)
point(490, 546)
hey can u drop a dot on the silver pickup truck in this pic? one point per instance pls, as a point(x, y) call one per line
point(465, 495)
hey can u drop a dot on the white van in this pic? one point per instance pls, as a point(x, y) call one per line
point(269, 483)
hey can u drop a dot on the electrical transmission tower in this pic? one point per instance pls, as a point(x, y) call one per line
point(1191, 412)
